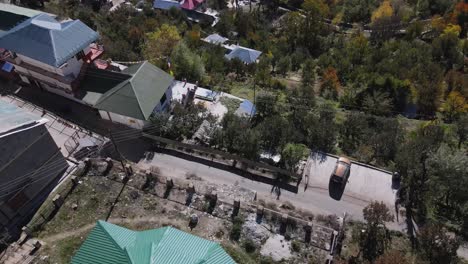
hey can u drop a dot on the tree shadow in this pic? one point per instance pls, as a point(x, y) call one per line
point(248, 175)
point(319, 156)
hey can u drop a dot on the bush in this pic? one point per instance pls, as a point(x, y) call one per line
point(249, 246)
point(236, 228)
point(296, 246)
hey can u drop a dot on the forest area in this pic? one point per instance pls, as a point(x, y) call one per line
point(381, 81)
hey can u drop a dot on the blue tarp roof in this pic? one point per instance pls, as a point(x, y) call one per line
point(166, 4)
point(246, 55)
point(44, 39)
point(246, 108)
point(7, 67)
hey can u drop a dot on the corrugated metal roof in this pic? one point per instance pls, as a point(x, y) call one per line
point(138, 96)
point(14, 9)
point(215, 39)
point(46, 40)
point(13, 117)
point(108, 243)
point(244, 54)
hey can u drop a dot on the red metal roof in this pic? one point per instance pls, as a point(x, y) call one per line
point(191, 4)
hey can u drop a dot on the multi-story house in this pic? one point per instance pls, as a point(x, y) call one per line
point(50, 54)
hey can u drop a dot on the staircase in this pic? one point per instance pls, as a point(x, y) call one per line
point(18, 253)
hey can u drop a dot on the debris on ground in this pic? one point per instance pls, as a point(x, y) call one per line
point(255, 231)
point(277, 248)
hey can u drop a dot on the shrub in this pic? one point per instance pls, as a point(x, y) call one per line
point(249, 246)
point(236, 228)
point(296, 246)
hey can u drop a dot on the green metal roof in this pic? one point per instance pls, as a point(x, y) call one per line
point(139, 95)
point(108, 243)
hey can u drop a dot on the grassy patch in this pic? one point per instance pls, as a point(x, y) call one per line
point(231, 103)
point(92, 206)
point(61, 251)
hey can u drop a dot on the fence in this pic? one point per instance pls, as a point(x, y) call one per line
point(72, 143)
point(245, 164)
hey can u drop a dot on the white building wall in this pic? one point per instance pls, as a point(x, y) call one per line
point(73, 66)
point(128, 121)
point(23, 71)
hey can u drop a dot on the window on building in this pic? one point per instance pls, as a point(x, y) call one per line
point(80, 55)
point(163, 99)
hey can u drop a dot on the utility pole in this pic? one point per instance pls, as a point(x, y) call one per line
point(254, 102)
point(118, 152)
point(127, 176)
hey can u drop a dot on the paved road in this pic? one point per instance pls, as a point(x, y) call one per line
point(315, 198)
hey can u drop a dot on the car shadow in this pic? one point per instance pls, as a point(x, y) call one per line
point(336, 190)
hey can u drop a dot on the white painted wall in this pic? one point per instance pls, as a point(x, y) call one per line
point(128, 121)
point(40, 77)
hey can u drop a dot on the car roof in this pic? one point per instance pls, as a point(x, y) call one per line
point(345, 160)
point(341, 168)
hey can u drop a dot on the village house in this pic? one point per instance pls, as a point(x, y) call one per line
point(50, 54)
point(109, 243)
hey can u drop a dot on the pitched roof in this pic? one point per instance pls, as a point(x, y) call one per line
point(215, 39)
point(108, 243)
point(190, 4)
point(244, 54)
point(45, 39)
point(138, 95)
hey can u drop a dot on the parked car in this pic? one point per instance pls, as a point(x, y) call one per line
point(342, 170)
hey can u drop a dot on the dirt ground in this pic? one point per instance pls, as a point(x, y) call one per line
point(144, 206)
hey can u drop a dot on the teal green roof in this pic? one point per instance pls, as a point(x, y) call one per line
point(139, 95)
point(112, 244)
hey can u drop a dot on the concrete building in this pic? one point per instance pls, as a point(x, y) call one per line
point(50, 54)
point(31, 164)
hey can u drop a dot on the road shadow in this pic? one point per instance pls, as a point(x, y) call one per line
point(220, 166)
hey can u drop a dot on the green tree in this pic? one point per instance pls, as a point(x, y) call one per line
point(375, 240)
point(437, 246)
point(186, 63)
point(411, 163)
point(160, 43)
point(284, 66)
point(454, 106)
point(275, 132)
point(378, 103)
point(292, 154)
point(461, 128)
point(263, 71)
point(448, 176)
point(308, 73)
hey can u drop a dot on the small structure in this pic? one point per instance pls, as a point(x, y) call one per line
point(246, 108)
point(244, 54)
point(108, 243)
point(215, 39)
